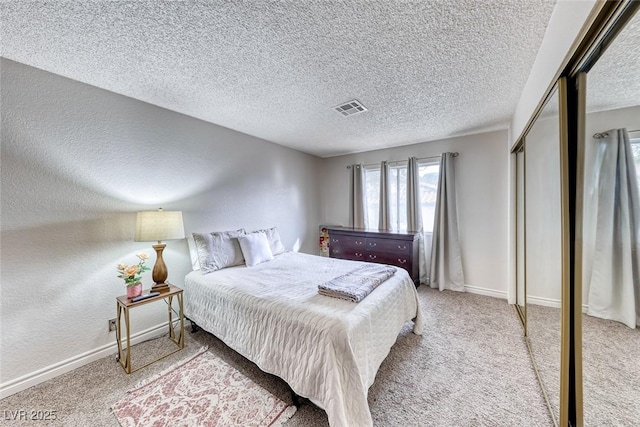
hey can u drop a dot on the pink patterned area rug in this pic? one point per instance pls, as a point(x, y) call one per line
point(202, 391)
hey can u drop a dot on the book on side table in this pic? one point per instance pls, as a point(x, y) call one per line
point(145, 296)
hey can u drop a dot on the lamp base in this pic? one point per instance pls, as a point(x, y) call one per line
point(159, 287)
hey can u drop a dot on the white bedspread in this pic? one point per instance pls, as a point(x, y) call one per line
point(328, 350)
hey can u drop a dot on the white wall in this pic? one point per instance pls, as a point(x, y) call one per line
point(77, 163)
point(565, 25)
point(568, 20)
point(543, 213)
point(481, 184)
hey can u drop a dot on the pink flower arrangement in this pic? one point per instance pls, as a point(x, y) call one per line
point(132, 273)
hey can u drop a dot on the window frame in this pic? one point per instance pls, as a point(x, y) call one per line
point(395, 202)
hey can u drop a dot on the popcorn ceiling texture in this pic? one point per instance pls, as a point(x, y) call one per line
point(614, 81)
point(425, 70)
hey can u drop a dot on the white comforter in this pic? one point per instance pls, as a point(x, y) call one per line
point(328, 350)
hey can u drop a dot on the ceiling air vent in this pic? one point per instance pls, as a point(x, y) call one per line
point(350, 108)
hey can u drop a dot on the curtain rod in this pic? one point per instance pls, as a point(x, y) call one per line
point(400, 161)
point(605, 134)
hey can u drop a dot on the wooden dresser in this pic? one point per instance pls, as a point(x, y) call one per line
point(384, 247)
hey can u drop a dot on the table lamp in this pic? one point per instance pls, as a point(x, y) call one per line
point(158, 226)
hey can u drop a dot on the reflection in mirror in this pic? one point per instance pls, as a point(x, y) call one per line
point(611, 223)
point(543, 248)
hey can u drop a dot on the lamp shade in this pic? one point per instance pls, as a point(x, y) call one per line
point(159, 225)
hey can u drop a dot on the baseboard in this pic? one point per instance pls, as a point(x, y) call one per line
point(485, 291)
point(546, 302)
point(550, 302)
point(16, 385)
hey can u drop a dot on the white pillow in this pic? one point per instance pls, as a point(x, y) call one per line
point(273, 237)
point(218, 250)
point(255, 248)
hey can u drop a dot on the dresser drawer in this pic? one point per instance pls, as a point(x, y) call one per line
point(347, 253)
point(391, 259)
point(400, 247)
point(347, 242)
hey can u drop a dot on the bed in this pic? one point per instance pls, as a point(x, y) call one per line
point(327, 349)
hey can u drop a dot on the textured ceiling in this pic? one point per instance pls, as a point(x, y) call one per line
point(424, 70)
point(614, 80)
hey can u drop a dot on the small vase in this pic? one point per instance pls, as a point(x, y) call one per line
point(134, 291)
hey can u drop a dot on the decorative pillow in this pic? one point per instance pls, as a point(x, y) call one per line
point(218, 250)
point(193, 253)
point(273, 237)
point(255, 248)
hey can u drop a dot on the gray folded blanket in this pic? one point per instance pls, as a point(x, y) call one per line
point(357, 284)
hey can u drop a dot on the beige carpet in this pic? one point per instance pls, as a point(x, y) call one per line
point(470, 368)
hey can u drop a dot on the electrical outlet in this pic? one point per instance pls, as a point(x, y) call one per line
point(112, 325)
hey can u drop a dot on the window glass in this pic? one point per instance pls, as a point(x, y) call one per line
point(372, 196)
point(635, 149)
point(398, 197)
point(429, 174)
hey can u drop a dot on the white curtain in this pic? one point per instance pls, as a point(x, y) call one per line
point(414, 219)
point(446, 258)
point(357, 211)
point(614, 291)
point(384, 214)
point(414, 215)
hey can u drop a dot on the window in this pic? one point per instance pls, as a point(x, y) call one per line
point(635, 149)
point(428, 172)
point(372, 196)
point(398, 197)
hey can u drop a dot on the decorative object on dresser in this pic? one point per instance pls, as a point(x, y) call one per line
point(157, 226)
point(398, 248)
point(324, 241)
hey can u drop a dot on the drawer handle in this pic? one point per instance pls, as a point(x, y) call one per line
point(372, 257)
point(359, 242)
point(402, 261)
point(335, 240)
point(372, 244)
point(402, 247)
point(336, 251)
point(358, 254)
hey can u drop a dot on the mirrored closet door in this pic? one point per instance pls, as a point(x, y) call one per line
point(611, 223)
point(538, 247)
point(578, 227)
